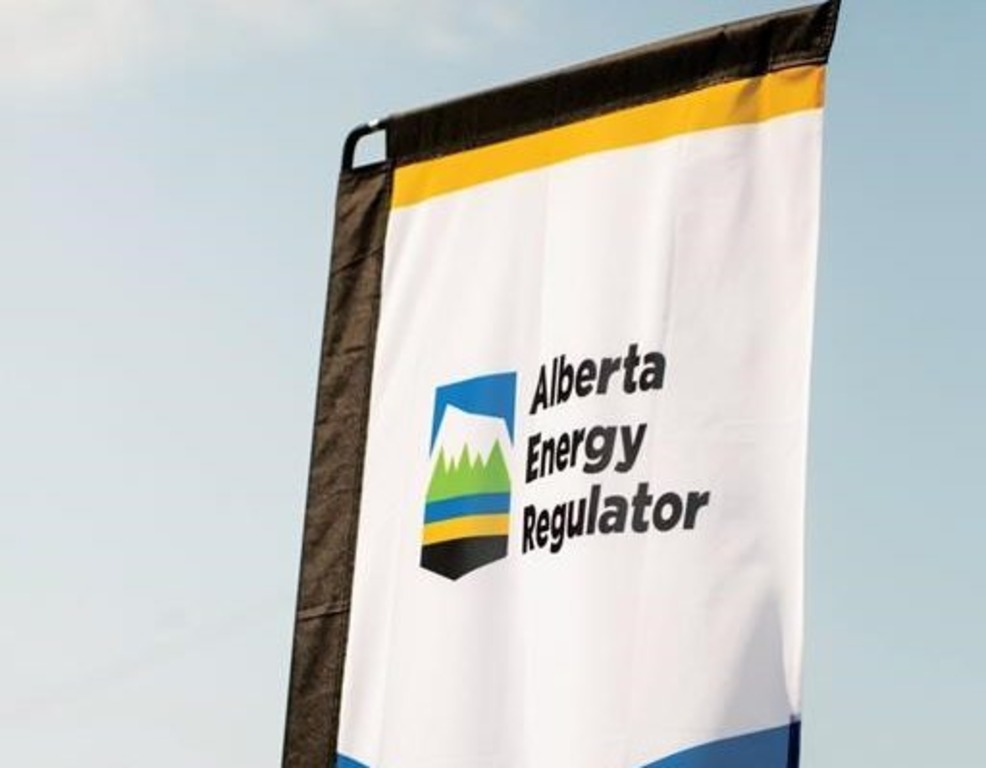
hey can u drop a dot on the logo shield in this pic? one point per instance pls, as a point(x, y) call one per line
point(467, 503)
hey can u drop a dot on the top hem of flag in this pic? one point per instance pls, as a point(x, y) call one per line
point(741, 102)
point(738, 51)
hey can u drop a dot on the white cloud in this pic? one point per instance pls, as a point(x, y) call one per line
point(45, 43)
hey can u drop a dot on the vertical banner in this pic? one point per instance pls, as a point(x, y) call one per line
point(556, 505)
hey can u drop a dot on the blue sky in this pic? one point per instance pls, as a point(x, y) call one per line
point(166, 182)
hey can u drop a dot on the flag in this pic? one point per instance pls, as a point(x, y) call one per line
point(556, 501)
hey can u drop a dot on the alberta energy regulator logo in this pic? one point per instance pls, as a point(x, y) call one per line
point(467, 508)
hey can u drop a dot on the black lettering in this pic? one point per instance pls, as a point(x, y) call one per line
point(642, 500)
point(672, 501)
point(566, 379)
point(585, 378)
point(632, 441)
point(578, 435)
point(540, 393)
point(629, 369)
point(609, 366)
point(695, 502)
point(593, 509)
point(558, 526)
point(577, 525)
point(543, 524)
point(554, 381)
point(547, 456)
point(652, 374)
point(614, 516)
point(599, 445)
point(561, 452)
point(530, 514)
point(530, 472)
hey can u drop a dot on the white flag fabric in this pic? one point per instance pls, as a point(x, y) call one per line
point(560, 519)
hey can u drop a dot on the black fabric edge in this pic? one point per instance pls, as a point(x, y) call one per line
point(794, 745)
point(336, 466)
point(750, 48)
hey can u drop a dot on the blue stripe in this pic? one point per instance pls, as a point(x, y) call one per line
point(462, 506)
point(775, 748)
point(347, 762)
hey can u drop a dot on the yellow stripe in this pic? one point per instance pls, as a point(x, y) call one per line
point(464, 527)
point(736, 103)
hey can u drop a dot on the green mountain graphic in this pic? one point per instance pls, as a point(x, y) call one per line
point(466, 476)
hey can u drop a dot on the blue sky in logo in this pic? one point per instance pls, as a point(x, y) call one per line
point(168, 172)
point(492, 395)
